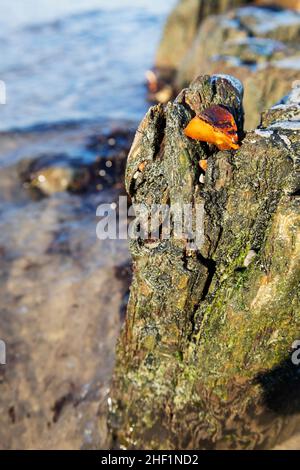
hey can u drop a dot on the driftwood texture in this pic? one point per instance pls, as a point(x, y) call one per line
point(204, 357)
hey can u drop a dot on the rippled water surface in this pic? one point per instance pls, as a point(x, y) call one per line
point(73, 60)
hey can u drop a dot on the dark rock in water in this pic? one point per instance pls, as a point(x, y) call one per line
point(52, 174)
point(48, 174)
point(204, 359)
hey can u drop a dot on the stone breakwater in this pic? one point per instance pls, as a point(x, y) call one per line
point(258, 44)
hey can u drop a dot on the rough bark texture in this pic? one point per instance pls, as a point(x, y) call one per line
point(204, 357)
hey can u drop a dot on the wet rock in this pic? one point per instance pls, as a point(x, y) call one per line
point(204, 358)
point(52, 174)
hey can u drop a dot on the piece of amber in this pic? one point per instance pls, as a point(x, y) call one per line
point(203, 164)
point(215, 125)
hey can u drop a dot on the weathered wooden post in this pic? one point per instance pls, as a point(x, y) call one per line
point(204, 355)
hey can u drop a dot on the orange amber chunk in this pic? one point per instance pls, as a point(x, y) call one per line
point(215, 125)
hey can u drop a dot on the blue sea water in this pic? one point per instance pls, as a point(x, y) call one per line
point(76, 60)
